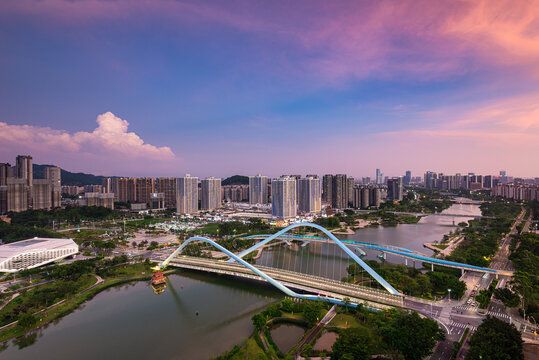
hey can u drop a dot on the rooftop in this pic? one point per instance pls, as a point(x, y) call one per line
point(35, 244)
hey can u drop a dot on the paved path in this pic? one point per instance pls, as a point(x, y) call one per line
point(325, 320)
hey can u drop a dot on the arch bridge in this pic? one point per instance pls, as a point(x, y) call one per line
point(310, 287)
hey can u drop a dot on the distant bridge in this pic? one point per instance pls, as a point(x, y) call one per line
point(399, 251)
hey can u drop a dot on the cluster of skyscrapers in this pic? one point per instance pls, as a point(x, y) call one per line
point(517, 191)
point(289, 195)
point(19, 190)
point(468, 181)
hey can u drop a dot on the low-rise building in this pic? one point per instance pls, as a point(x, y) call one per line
point(31, 253)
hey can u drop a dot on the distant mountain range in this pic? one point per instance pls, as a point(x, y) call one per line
point(81, 179)
point(69, 178)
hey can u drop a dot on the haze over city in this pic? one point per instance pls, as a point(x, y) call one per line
point(162, 88)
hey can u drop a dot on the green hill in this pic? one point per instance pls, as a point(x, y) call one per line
point(236, 180)
point(69, 178)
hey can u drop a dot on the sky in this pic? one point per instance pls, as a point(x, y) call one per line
point(216, 88)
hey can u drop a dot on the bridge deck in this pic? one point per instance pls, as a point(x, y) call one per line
point(319, 284)
point(393, 250)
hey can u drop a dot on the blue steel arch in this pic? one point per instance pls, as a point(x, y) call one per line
point(260, 273)
point(350, 253)
point(339, 243)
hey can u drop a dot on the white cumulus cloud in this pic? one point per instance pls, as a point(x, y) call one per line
point(111, 136)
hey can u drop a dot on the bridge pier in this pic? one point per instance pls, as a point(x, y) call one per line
point(406, 261)
point(462, 272)
point(496, 275)
point(432, 267)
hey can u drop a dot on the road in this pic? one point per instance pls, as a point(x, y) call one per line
point(325, 320)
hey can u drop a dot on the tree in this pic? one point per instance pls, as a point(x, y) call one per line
point(353, 343)
point(287, 305)
point(412, 335)
point(259, 321)
point(495, 339)
point(508, 297)
point(26, 320)
point(346, 303)
point(311, 313)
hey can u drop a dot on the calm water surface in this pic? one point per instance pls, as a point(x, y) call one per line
point(131, 322)
point(285, 336)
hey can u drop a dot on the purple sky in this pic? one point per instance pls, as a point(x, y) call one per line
point(165, 87)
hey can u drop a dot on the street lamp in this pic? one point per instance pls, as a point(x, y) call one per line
point(449, 290)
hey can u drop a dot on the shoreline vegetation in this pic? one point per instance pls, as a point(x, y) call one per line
point(359, 331)
point(71, 286)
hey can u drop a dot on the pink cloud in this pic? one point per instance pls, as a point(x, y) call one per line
point(336, 41)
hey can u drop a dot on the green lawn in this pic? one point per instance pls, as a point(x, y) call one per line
point(208, 229)
point(440, 246)
point(129, 270)
point(250, 350)
point(344, 320)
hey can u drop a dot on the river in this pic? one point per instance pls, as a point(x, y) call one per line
point(130, 321)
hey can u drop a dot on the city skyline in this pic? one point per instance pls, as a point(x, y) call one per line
point(169, 88)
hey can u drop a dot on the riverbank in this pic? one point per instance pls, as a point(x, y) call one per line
point(64, 307)
point(354, 332)
point(444, 248)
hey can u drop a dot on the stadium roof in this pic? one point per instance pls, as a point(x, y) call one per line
point(35, 244)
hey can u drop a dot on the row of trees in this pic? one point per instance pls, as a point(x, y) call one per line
point(495, 340)
point(401, 334)
point(74, 214)
point(413, 282)
point(525, 260)
point(482, 236)
point(14, 232)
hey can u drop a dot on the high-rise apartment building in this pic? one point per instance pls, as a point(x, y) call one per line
point(258, 189)
point(283, 197)
point(379, 177)
point(127, 190)
point(17, 194)
point(395, 189)
point(3, 199)
point(430, 180)
point(167, 186)
point(41, 194)
point(211, 193)
point(407, 178)
point(187, 195)
point(25, 170)
point(365, 197)
point(350, 191)
point(106, 185)
point(339, 192)
point(327, 188)
point(144, 188)
point(309, 195)
point(54, 175)
point(5, 170)
point(488, 182)
point(100, 199)
point(236, 193)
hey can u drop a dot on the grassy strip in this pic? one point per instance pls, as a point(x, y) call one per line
point(440, 246)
